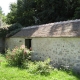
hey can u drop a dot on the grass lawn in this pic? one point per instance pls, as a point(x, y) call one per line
point(15, 73)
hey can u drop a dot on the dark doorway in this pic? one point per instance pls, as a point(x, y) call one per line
point(28, 43)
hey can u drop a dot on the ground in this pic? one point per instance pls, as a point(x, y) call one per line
point(15, 73)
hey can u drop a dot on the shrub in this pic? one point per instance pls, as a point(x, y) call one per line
point(18, 56)
point(40, 67)
point(21, 57)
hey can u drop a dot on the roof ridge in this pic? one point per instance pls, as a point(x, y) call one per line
point(55, 23)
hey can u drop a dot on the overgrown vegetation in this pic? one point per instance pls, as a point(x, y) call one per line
point(17, 65)
point(14, 28)
point(2, 17)
point(9, 31)
point(21, 57)
point(15, 73)
point(40, 67)
point(18, 56)
point(3, 32)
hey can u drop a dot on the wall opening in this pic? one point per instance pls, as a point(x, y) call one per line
point(28, 43)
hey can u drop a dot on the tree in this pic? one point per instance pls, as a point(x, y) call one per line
point(77, 11)
point(0, 11)
point(2, 17)
point(12, 16)
point(25, 12)
point(31, 12)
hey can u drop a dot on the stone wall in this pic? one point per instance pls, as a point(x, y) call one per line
point(61, 51)
point(2, 45)
point(13, 42)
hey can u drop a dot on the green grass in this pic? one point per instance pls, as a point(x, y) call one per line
point(15, 73)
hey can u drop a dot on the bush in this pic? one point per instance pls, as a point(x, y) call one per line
point(21, 57)
point(40, 67)
point(18, 56)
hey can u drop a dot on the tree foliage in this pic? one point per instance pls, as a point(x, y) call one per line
point(10, 30)
point(30, 12)
point(12, 16)
point(2, 15)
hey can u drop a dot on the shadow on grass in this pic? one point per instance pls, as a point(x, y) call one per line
point(77, 75)
point(71, 72)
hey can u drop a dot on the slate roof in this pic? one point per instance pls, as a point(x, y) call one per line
point(58, 29)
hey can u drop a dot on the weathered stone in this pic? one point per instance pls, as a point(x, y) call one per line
point(78, 57)
point(76, 68)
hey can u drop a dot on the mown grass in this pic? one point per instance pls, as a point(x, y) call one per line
point(15, 73)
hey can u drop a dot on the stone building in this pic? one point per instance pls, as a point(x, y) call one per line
point(58, 41)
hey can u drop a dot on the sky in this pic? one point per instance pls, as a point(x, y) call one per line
point(5, 5)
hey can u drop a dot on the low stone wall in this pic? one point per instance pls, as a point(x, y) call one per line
point(2, 45)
